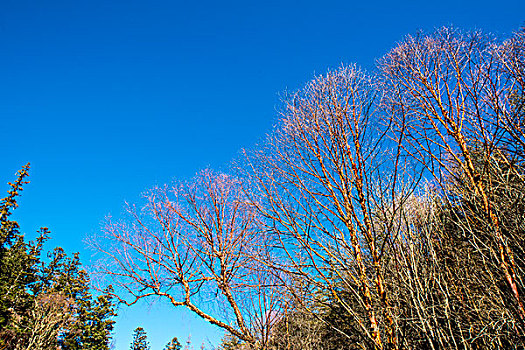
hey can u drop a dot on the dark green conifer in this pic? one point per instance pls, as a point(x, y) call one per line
point(27, 284)
point(140, 340)
point(174, 344)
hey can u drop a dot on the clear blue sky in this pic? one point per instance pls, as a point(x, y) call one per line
point(108, 98)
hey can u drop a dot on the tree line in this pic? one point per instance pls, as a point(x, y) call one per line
point(385, 210)
point(140, 342)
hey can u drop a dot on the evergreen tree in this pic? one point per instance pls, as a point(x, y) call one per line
point(140, 340)
point(93, 323)
point(46, 305)
point(18, 267)
point(230, 342)
point(173, 345)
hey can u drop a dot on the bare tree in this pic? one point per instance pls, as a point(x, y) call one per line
point(322, 176)
point(51, 313)
point(331, 213)
point(511, 55)
point(450, 99)
point(196, 244)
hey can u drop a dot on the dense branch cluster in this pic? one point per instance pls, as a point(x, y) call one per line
point(384, 211)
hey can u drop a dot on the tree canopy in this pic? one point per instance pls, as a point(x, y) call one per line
point(140, 340)
point(45, 305)
point(384, 211)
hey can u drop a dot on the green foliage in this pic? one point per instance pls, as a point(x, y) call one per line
point(230, 342)
point(93, 323)
point(140, 340)
point(174, 344)
point(49, 305)
point(326, 325)
point(468, 239)
point(18, 267)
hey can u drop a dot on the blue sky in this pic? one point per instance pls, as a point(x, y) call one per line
point(109, 98)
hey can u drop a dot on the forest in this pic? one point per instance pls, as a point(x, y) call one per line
point(385, 210)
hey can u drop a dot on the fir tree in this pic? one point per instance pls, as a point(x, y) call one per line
point(140, 340)
point(93, 315)
point(46, 305)
point(18, 268)
point(174, 344)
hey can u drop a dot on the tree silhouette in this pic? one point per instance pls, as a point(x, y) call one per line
point(140, 340)
point(174, 344)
